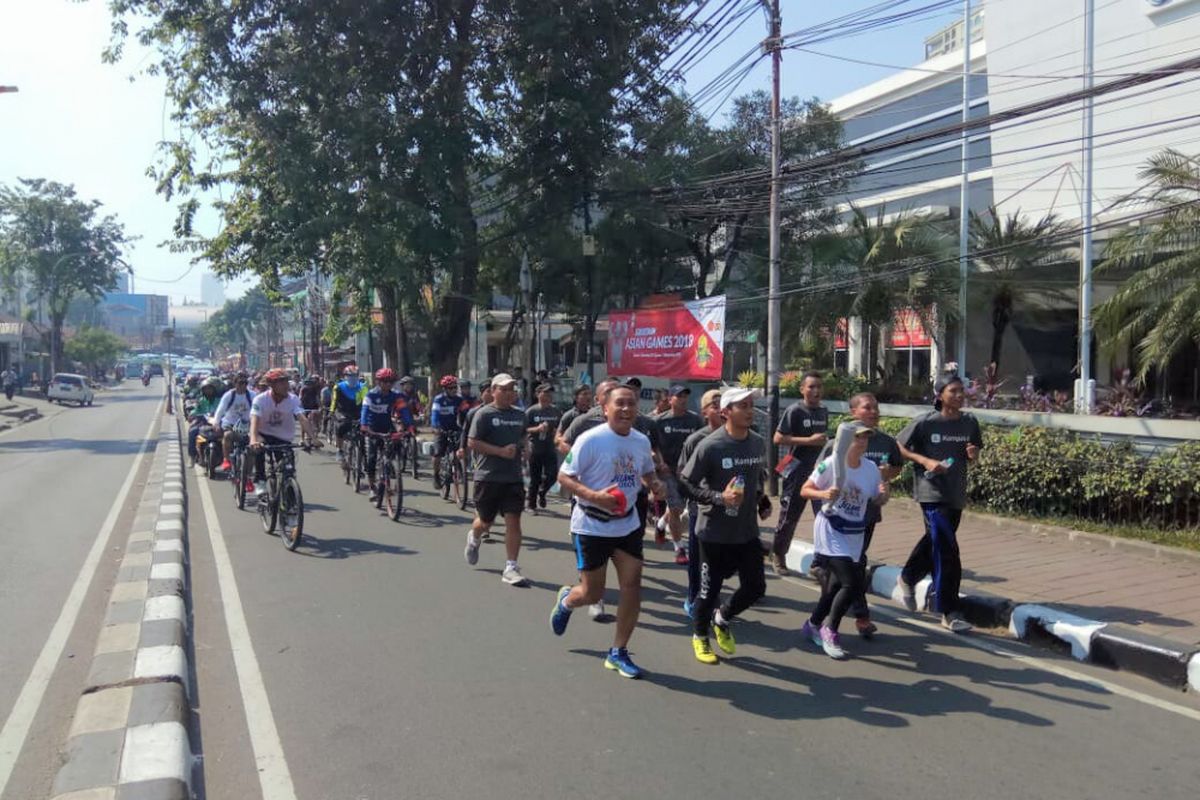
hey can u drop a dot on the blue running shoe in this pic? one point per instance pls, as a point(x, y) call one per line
point(689, 609)
point(561, 615)
point(618, 659)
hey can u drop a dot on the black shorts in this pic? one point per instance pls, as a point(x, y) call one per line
point(442, 445)
point(594, 552)
point(493, 499)
point(345, 425)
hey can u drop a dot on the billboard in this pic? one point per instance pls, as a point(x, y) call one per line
point(684, 341)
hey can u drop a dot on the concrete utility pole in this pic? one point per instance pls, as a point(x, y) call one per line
point(589, 253)
point(1085, 387)
point(964, 203)
point(772, 44)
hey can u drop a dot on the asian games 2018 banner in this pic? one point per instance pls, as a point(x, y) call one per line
point(684, 341)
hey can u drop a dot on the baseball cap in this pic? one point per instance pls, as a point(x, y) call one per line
point(856, 428)
point(503, 379)
point(545, 387)
point(634, 382)
point(679, 389)
point(712, 395)
point(736, 395)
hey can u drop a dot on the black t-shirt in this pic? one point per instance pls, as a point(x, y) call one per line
point(800, 420)
point(498, 427)
point(535, 415)
point(718, 458)
point(568, 417)
point(673, 431)
point(936, 437)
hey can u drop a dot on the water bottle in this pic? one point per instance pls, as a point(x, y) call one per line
point(739, 486)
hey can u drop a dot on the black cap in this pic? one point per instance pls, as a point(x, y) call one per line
point(940, 385)
point(545, 387)
point(679, 389)
point(486, 383)
point(635, 382)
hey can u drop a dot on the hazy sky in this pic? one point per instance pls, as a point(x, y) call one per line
point(78, 120)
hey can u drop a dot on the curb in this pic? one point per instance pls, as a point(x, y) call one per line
point(130, 734)
point(1118, 647)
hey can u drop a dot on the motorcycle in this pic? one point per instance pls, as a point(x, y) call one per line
point(208, 446)
point(145, 379)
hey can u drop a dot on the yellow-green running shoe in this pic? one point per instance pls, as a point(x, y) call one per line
point(703, 650)
point(724, 637)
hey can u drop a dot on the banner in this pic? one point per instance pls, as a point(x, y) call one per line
point(685, 341)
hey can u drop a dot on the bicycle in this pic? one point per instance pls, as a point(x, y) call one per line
point(283, 504)
point(237, 456)
point(390, 474)
point(411, 447)
point(453, 474)
point(354, 458)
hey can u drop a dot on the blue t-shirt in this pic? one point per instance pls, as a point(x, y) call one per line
point(444, 411)
point(377, 410)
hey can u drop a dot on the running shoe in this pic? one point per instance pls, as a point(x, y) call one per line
point(810, 632)
point(249, 487)
point(660, 530)
point(471, 553)
point(513, 577)
point(866, 628)
point(437, 479)
point(561, 615)
point(225, 466)
point(831, 643)
point(681, 556)
point(619, 660)
point(724, 636)
point(908, 595)
point(703, 650)
point(779, 564)
point(689, 609)
point(954, 622)
point(541, 501)
point(596, 611)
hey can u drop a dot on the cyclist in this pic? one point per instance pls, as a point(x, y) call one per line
point(469, 402)
point(206, 406)
point(409, 408)
point(347, 405)
point(445, 413)
point(310, 400)
point(234, 413)
point(376, 417)
point(273, 416)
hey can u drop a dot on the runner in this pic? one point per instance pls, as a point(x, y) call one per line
point(541, 421)
point(674, 427)
point(802, 428)
point(602, 471)
point(725, 469)
point(710, 408)
point(497, 436)
point(839, 531)
point(941, 444)
point(583, 402)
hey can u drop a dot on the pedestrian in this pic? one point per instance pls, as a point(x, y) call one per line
point(497, 437)
point(884, 452)
point(674, 427)
point(802, 428)
point(9, 380)
point(838, 533)
point(541, 421)
point(662, 401)
point(603, 471)
point(941, 444)
point(583, 403)
point(725, 473)
point(710, 409)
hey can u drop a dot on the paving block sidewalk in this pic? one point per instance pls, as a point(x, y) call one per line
point(1155, 590)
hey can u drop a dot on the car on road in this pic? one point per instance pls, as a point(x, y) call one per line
point(67, 387)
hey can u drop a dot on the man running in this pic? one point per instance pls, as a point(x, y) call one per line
point(710, 409)
point(497, 437)
point(674, 427)
point(541, 421)
point(603, 470)
point(583, 402)
point(725, 473)
point(802, 428)
point(941, 444)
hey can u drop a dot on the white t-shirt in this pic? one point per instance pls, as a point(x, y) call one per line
point(600, 458)
point(859, 487)
point(277, 419)
point(234, 408)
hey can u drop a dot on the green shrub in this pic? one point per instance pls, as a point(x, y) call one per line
point(750, 379)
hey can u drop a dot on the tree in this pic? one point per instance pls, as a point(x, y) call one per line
point(1005, 252)
point(1157, 306)
point(62, 244)
point(95, 348)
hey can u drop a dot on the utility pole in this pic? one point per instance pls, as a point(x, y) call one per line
point(1085, 386)
point(773, 45)
point(528, 335)
point(964, 202)
point(589, 253)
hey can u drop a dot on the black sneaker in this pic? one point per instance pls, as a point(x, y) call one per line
point(541, 501)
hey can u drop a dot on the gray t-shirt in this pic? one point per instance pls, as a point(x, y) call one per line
point(535, 415)
point(936, 437)
point(673, 431)
point(568, 417)
point(498, 427)
point(717, 459)
point(800, 420)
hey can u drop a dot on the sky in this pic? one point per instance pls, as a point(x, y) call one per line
point(80, 121)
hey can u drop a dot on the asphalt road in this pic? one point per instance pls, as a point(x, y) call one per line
point(60, 483)
point(391, 669)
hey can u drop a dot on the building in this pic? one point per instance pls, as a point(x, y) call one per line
point(212, 290)
point(139, 319)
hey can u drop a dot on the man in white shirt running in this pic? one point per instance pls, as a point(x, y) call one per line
point(603, 470)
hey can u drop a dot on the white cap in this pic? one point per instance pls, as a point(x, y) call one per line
point(503, 379)
point(736, 395)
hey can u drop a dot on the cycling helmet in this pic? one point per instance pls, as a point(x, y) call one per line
point(276, 374)
point(385, 374)
point(448, 381)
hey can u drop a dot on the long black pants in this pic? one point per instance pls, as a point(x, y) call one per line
point(719, 562)
point(543, 470)
point(937, 554)
point(791, 505)
point(840, 586)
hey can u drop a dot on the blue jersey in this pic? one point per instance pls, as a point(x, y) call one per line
point(446, 410)
point(347, 398)
point(377, 410)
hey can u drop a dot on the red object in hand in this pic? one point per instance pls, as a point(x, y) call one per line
point(622, 504)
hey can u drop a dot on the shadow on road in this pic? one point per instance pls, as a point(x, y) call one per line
point(317, 547)
point(104, 447)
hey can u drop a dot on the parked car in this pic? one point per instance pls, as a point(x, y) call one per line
point(67, 387)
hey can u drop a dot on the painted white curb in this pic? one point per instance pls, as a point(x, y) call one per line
point(1075, 631)
point(1194, 673)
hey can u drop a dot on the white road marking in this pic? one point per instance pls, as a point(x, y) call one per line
point(982, 644)
point(20, 719)
point(273, 775)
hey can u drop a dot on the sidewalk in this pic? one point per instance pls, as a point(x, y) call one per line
point(1103, 579)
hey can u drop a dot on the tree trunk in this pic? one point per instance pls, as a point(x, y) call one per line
point(56, 343)
point(387, 302)
point(404, 353)
point(1000, 319)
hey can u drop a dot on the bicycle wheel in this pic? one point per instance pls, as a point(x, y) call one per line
point(456, 482)
point(291, 513)
point(212, 462)
point(268, 507)
point(412, 451)
point(396, 498)
point(360, 467)
point(465, 494)
point(348, 460)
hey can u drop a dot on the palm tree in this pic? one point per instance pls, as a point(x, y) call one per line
point(1005, 252)
point(1157, 307)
